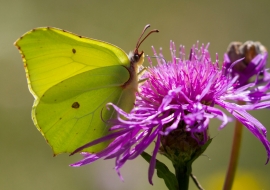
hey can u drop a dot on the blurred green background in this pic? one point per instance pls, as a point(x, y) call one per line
point(26, 160)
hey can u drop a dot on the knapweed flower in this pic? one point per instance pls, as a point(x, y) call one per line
point(254, 60)
point(175, 103)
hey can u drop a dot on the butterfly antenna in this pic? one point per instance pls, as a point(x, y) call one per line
point(139, 40)
point(152, 31)
point(145, 28)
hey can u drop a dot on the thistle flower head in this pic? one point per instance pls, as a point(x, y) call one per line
point(175, 105)
point(254, 60)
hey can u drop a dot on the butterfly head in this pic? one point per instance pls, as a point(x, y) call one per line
point(136, 56)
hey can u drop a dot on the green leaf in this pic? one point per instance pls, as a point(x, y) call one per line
point(163, 172)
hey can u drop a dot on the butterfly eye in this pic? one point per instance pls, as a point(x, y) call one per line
point(137, 57)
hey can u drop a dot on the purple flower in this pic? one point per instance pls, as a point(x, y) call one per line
point(253, 63)
point(180, 95)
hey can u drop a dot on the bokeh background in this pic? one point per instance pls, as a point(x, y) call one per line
point(26, 161)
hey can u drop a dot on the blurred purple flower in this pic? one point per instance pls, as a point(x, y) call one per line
point(178, 93)
point(254, 60)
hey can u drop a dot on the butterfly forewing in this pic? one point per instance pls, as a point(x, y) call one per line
point(72, 79)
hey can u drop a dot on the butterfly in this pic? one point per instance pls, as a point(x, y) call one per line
point(72, 78)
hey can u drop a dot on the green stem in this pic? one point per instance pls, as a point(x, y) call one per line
point(182, 175)
point(234, 156)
